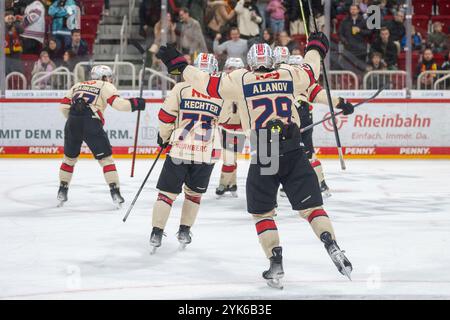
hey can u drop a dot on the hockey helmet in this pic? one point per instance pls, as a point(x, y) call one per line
point(102, 72)
point(295, 60)
point(233, 64)
point(260, 55)
point(206, 62)
point(281, 55)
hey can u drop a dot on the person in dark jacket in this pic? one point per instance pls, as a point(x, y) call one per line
point(353, 32)
point(78, 46)
point(387, 48)
point(397, 27)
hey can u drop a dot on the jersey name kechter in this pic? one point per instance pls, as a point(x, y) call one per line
point(199, 105)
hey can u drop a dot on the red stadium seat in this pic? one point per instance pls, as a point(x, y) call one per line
point(445, 20)
point(423, 8)
point(93, 8)
point(339, 19)
point(28, 61)
point(90, 39)
point(444, 7)
point(414, 61)
point(89, 24)
point(439, 59)
point(421, 24)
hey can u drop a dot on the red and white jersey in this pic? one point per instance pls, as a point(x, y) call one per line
point(189, 121)
point(267, 95)
point(233, 122)
point(98, 94)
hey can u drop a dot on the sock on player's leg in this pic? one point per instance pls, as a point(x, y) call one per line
point(161, 209)
point(319, 221)
point(191, 205)
point(109, 171)
point(267, 232)
point(317, 166)
point(66, 170)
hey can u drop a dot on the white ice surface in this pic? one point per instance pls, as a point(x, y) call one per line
point(391, 217)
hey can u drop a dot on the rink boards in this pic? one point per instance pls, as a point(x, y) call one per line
point(31, 125)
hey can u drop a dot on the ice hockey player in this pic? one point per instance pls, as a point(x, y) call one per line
point(271, 114)
point(83, 107)
point(233, 139)
point(188, 124)
point(280, 55)
point(316, 94)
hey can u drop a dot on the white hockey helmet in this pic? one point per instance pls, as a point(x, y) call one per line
point(233, 64)
point(102, 72)
point(281, 55)
point(295, 60)
point(260, 55)
point(206, 62)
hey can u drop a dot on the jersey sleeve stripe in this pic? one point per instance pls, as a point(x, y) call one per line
point(111, 100)
point(213, 87)
point(314, 93)
point(66, 100)
point(166, 117)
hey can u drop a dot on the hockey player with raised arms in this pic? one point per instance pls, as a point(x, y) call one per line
point(271, 114)
point(188, 125)
point(233, 139)
point(83, 107)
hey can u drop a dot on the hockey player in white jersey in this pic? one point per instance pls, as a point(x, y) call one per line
point(270, 112)
point(188, 125)
point(83, 107)
point(233, 139)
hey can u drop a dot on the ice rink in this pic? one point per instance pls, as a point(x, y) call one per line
point(392, 218)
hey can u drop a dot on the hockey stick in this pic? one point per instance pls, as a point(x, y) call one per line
point(342, 111)
point(142, 187)
point(144, 53)
point(327, 89)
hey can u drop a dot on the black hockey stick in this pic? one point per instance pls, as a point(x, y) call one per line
point(144, 53)
point(342, 111)
point(142, 186)
point(327, 89)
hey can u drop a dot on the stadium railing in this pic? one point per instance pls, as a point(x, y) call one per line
point(155, 75)
point(16, 81)
point(379, 78)
point(429, 85)
point(60, 78)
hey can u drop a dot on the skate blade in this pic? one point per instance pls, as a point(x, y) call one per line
point(153, 250)
point(60, 204)
point(326, 194)
point(346, 271)
point(275, 283)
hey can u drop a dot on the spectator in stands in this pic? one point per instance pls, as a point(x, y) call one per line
point(149, 15)
point(54, 51)
point(191, 38)
point(353, 31)
point(235, 47)
point(446, 64)
point(13, 45)
point(397, 27)
point(427, 64)
point(296, 52)
point(69, 60)
point(66, 17)
point(267, 37)
point(416, 40)
point(218, 15)
point(171, 36)
point(375, 81)
point(376, 62)
point(44, 64)
point(78, 46)
point(248, 20)
point(33, 22)
point(438, 40)
point(296, 25)
point(285, 41)
point(276, 11)
point(196, 9)
point(387, 48)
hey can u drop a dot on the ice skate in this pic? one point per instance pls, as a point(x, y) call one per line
point(62, 194)
point(155, 239)
point(337, 255)
point(325, 190)
point(275, 272)
point(116, 196)
point(222, 189)
point(184, 236)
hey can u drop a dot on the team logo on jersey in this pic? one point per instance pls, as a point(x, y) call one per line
point(256, 89)
point(340, 121)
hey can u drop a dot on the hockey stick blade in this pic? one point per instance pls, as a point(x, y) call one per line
point(341, 112)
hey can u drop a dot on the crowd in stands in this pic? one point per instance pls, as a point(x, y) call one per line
point(42, 35)
point(229, 27)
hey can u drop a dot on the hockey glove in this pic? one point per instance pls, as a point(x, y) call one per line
point(345, 106)
point(137, 104)
point(318, 41)
point(161, 143)
point(172, 58)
